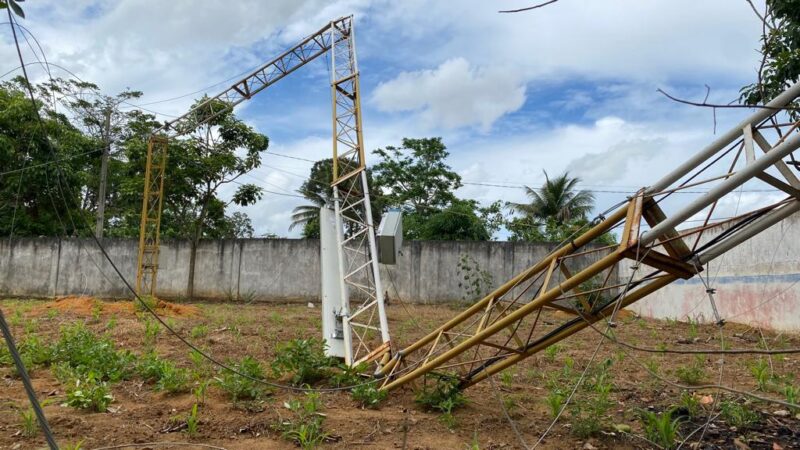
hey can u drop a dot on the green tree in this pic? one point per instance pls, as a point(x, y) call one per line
point(318, 191)
point(557, 199)
point(556, 212)
point(780, 50)
point(99, 116)
point(415, 176)
point(222, 149)
point(40, 193)
point(456, 222)
point(416, 179)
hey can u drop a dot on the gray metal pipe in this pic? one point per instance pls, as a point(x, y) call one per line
point(736, 180)
point(750, 230)
point(726, 139)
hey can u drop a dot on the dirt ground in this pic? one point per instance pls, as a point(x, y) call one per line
point(139, 414)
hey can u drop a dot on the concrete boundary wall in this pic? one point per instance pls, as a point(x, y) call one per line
point(757, 283)
point(248, 269)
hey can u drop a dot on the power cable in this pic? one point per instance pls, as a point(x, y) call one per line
point(147, 307)
point(37, 408)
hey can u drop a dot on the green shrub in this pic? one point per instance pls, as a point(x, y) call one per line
point(84, 352)
point(34, 352)
point(303, 359)
point(163, 372)
point(89, 393)
point(661, 428)
point(368, 395)
point(241, 388)
point(445, 396)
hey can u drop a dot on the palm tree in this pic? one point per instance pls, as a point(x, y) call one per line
point(304, 214)
point(557, 199)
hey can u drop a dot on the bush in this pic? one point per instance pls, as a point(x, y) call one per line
point(166, 375)
point(304, 359)
point(445, 396)
point(239, 387)
point(84, 352)
point(368, 395)
point(89, 393)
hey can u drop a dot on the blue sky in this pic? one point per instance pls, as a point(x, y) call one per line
point(568, 87)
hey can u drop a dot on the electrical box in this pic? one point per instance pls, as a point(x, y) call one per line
point(390, 237)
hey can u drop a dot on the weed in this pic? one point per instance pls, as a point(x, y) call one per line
point(551, 352)
point(35, 353)
point(89, 393)
point(474, 444)
point(163, 372)
point(368, 395)
point(554, 400)
point(444, 397)
point(475, 282)
point(690, 404)
point(112, 323)
point(172, 379)
point(305, 429)
point(76, 446)
point(151, 332)
point(304, 359)
point(199, 331)
point(29, 424)
point(791, 394)
point(739, 416)
point(653, 365)
point(692, 374)
point(693, 332)
point(96, 310)
point(192, 422)
point(84, 352)
point(52, 314)
point(148, 300)
point(276, 319)
point(200, 392)
point(760, 371)
point(239, 387)
point(506, 378)
point(661, 428)
point(5, 356)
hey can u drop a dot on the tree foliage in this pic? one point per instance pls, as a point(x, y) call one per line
point(780, 50)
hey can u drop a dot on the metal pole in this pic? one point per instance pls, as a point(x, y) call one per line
point(758, 225)
point(739, 178)
point(760, 115)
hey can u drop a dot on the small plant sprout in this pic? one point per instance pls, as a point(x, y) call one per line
point(192, 422)
point(739, 416)
point(368, 396)
point(661, 428)
point(760, 371)
point(554, 401)
point(28, 422)
point(690, 404)
point(305, 428)
point(89, 393)
point(551, 352)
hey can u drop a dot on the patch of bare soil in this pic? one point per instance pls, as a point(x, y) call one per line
point(231, 331)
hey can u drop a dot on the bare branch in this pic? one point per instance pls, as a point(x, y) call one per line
point(763, 19)
point(529, 7)
point(729, 105)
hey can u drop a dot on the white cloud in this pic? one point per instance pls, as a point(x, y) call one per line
point(453, 95)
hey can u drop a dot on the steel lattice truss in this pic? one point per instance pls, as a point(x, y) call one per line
point(360, 276)
point(578, 279)
point(365, 323)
